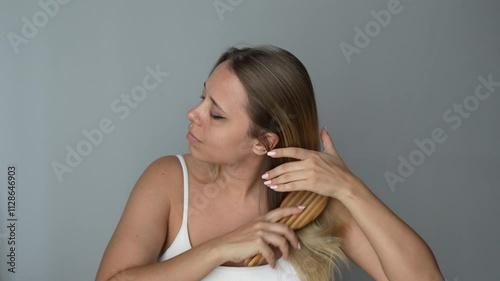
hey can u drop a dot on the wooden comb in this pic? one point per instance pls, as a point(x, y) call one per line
point(315, 204)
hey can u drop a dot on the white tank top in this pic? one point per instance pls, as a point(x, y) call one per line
point(284, 270)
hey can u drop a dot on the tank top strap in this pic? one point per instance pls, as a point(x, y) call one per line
point(185, 177)
point(181, 241)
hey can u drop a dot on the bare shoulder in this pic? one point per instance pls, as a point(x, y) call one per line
point(141, 231)
point(163, 167)
point(159, 187)
point(161, 174)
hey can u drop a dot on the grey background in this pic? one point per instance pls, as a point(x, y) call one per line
point(394, 91)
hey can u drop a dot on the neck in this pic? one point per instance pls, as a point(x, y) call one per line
point(243, 179)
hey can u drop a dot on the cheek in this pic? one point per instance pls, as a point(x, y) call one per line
point(216, 139)
point(241, 144)
point(231, 141)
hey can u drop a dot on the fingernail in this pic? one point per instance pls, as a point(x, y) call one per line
point(302, 207)
point(267, 182)
point(298, 246)
point(264, 176)
point(273, 187)
point(271, 153)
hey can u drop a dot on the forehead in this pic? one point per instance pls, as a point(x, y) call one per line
point(226, 89)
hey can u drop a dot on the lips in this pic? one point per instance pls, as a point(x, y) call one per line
point(191, 137)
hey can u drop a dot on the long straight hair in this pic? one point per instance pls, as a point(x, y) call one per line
point(281, 100)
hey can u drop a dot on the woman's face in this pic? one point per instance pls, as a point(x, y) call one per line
point(219, 123)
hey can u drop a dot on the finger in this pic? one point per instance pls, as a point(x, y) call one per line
point(283, 168)
point(286, 178)
point(279, 242)
point(290, 152)
point(279, 213)
point(291, 186)
point(282, 230)
point(267, 253)
point(290, 236)
point(327, 142)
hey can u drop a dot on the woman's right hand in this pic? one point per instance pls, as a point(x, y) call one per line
point(260, 236)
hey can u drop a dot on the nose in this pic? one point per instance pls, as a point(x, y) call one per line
point(193, 115)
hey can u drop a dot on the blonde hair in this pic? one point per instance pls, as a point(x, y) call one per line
point(281, 100)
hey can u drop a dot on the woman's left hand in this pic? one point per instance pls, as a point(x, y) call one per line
point(324, 172)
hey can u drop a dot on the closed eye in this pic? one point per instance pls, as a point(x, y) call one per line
point(213, 116)
point(216, 117)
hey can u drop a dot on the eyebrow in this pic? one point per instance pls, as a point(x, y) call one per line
point(215, 103)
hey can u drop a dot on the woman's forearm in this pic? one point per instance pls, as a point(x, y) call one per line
point(193, 264)
point(403, 254)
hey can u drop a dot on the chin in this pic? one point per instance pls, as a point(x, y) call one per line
point(201, 156)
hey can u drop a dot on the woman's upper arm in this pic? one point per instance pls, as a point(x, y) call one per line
point(355, 244)
point(360, 251)
point(142, 229)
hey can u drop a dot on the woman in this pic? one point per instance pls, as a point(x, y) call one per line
point(257, 114)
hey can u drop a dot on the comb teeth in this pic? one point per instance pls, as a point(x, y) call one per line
point(315, 204)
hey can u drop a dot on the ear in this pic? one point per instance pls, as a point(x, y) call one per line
point(266, 142)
